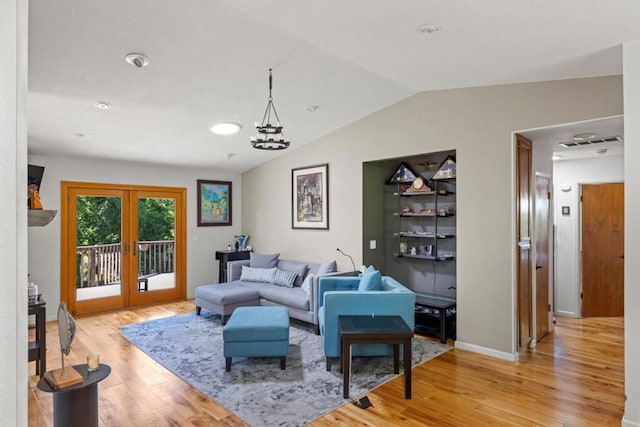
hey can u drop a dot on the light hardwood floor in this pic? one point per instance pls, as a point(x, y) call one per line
point(575, 377)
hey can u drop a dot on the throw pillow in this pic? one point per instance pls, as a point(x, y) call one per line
point(370, 281)
point(327, 267)
point(298, 267)
point(306, 285)
point(263, 260)
point(284, 278)
point(250, 274)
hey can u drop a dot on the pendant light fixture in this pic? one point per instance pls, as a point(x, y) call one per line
point(270, 136)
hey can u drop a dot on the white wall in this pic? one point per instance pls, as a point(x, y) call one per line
point(477, 123)
point(572, 173)
point(631, 68)
point(202, 242)
point(13, 216)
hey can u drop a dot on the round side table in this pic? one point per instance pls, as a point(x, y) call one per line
point(77, 405)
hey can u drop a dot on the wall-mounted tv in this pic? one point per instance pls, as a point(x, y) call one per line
point(35, 175)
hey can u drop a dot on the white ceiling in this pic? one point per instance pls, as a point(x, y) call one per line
point(210, 61)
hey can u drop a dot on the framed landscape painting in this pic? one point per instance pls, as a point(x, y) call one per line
point(310, 197)
point(214, 202)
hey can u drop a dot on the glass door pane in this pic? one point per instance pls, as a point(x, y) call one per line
point(98, 243)
point(156, 244)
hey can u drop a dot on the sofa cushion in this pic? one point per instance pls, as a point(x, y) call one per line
point(250, 274)
point(299, 267)
point(263, 260)
point(284, 278)
point(291, 297)
point(306, 284)
point(371, 281)
point(327, 267)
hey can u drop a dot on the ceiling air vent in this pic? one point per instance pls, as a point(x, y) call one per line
point(591, 141)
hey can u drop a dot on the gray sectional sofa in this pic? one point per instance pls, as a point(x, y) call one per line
point(301, 301)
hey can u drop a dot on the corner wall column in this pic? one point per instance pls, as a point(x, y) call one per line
point(631, 71)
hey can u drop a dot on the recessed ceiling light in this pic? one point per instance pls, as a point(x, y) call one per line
point(583, 136)
point(138, 60)
point(428, 28)
point(226, 128)
point(313, 108)
point(103, 105)
point(78, 135)
point(556, 157)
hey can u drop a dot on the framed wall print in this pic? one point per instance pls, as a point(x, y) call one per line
point(214, 203)
point(310, 197)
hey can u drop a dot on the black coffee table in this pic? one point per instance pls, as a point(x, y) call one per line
point(376, 330)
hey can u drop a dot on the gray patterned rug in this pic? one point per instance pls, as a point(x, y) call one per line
point(256, 389)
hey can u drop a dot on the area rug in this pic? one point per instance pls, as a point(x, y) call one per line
point(256, 389)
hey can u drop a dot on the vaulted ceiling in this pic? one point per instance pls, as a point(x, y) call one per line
point(333, 63)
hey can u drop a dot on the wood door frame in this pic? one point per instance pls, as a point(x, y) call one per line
point(67, 273)
point(521, 246)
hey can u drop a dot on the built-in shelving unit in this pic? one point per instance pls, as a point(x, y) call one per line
point(420, 235)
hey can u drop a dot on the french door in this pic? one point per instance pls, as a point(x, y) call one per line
point(122, 246)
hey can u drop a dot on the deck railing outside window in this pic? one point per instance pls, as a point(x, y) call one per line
point(100, 264)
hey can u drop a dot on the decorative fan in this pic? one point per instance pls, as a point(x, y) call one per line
point(61, 378)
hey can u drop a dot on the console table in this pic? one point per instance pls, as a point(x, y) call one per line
point(435, 315)
point(376, 330)
point(224, 257)
point(77, 405)
point(38, 348)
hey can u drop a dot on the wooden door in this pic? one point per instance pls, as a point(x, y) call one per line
point(94, 238)
point(543, 221)
point(156, 254)
point(523, 227)
point(603, 250)
point(108, 260)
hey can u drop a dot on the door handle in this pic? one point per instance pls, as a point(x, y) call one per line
point(135, 247)
point(126, 249)
point(538, 267)
point(622, 256)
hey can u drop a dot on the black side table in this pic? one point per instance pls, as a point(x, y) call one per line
point(38, 348)
point(77, 405)
point(376, 330)
point(225, 257)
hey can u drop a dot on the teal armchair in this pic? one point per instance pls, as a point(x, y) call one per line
point(339, 296)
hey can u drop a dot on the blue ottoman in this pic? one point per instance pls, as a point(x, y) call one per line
point(257, 332)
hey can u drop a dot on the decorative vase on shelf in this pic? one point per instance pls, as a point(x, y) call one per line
point(241, 242)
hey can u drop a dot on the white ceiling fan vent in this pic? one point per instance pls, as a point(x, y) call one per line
point(591, 141)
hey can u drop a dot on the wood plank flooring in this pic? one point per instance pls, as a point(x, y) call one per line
point(575, 377)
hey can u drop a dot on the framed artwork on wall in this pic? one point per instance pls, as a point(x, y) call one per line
point(310, 197)
point(214, 203)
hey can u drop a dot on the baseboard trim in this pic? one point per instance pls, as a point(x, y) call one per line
point(487, 351)
point(567, 314)
point(628, 423)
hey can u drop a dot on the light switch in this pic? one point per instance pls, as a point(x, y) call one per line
point(372, 244)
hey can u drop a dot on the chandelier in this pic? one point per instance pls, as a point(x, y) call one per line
point(270, 136)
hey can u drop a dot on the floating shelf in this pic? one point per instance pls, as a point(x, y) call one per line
point(40, 217)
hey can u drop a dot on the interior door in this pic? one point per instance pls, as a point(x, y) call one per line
point(542, 221)
point(523, 249)
point(122, 246)
point(603, 250)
